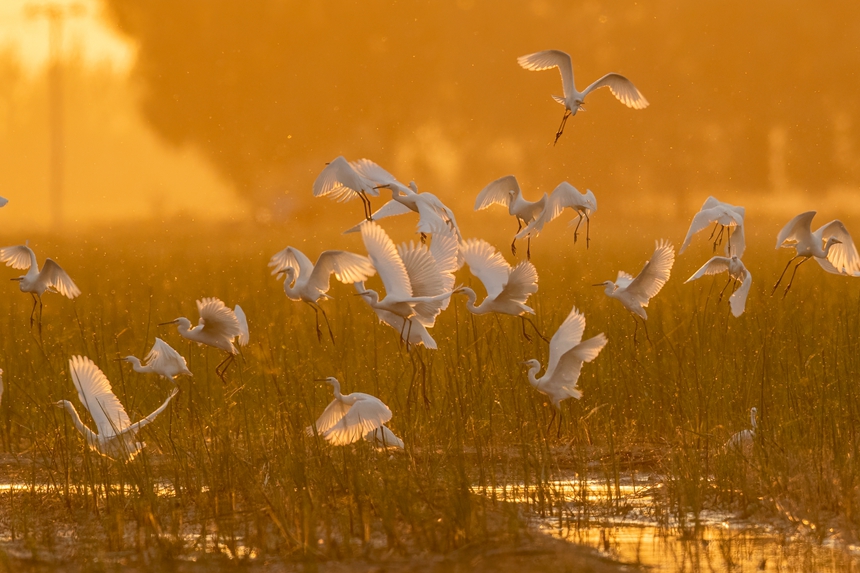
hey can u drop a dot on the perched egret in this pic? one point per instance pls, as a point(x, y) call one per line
point(51, 278)
point(838, 255)
point(738, 273)
point(350, 417)
point(418, 280)
point(116, 438)
point(564, 196)
point(729, 219)
point(743, 440)
point(218, 327)
point(432, 213)
point(506, 191)
point(383, 438)
point(342, 182)
point(411, 331)
point(567, 352)
point(309, 283)
point(507, 288)
point(162, 360)
point(635, 292)
point(622, 88)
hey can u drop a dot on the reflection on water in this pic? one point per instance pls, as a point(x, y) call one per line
point(626, 521)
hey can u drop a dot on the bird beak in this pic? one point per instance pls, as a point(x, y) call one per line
point(17, 279)
point(320, 379)
point(598, 284)
point(170, 322)
point(360, 293)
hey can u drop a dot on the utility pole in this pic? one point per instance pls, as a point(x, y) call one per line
point(56, 14)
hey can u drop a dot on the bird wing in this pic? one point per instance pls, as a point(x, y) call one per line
point(623, 280)
point(365, 415)
point(330, 416)
point(800, 225)
point(56, 277)
point(522, 283)
point(382, 437)
point(217, 318)
point(347, 267)
point(149, 419)
point(738, 300)
point(164, 357)
point(737, 243)
point(654, 274)
point(95, 393)
point(566, 372)
point(842, 256)
point(373, 172)
point(341, 181)
point(18, 257)
point(700, 220)
point(568, 335)
point(383, 255)
point(552, 59)
point(563, 196)
point(244, 334)
point(622, 88)
point(390, 209)
point(497, 192)
point(425, 279)
point(712, 267)
point(445, 249)
point(291, 258)
point(486, 263)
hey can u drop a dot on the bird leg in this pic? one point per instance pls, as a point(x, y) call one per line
point(575, 231)
point(317, 309)
point(791, 280)
point(719, 238)
point(561, 127)
point(551, 420)
point(367, 208)
point(32, 312)
point(317, 322)
point(525, 334)
point(783, 274)
point(587, 230)
point(529, 247)
point(221, 369)
point(714, 230)
point(423, 238)
point(530, 321)
point(719, 300)
point(514, 242)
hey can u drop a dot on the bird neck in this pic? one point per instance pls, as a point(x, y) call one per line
point(471, 297)
point(752, 419)
point(534, 368)
point(136, 365)
point(91, 437)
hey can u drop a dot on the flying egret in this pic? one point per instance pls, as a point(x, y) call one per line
point(51, 278)
point(218, 327)
point(432, 212)
point(309, 283)
point(116, 438)
point(742, 440)
point(350, 417)
point(507, 288)
point(729, 218)
point(382, 438)
point(411, 331)
point(622, 88)
point(567, 352)
point(838, 255)
point(635, 292)
point(506, 191)
point(340, 180)
point(162, 360)
point(738, 273)
point(418, 280)
point(564, 196)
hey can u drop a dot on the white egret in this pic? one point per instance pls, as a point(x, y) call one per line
point(384, 439)
point(729, 218)
point(350, 417)
point(506, 191)
point(417, 279)
point(51, 278)
point(218, 327)
point(309, 283)
point(743, 440)
point(116, 438)
point(567, 352)
point(622, 88)
point(507, 288)
point(432, 212)
point(635, 292)
point(163, 360)
point(562, 197)
point(342, 182)
point(838, 255)
point(738, 273)
point(411, 331)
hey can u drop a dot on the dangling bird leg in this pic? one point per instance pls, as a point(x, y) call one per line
point(783, 274)
point(327, 324)
point(719, 238)
point(558, 434)
point(647, 336)
point(41, 308)
point(551, 420)
point(587, 230)
point(561, 127)
point(576, 230)
point(530, 321)
point(529, 247)
point(525, 334)
point(423, 238)
point(32, 312)
point(514, 242)
point(367, 207)
point(719, 300)
point(221, 369)
point(714, 230)
point(316, 321)
point(791, 280)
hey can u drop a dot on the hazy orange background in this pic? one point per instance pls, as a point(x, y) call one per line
point(222, 109)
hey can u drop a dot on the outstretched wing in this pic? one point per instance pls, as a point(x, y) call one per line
point(738, 300)
point(365, 415)
point(842, 258)
point(497, 192)
point(383, 255)
point(244, 333)
point(568, 335)
point(655, 273)
point(347, 267)
point(96, 394)
point(390, 209)
point(487, 264)
point(149, 419)
point(339, 180)
point(18, 257)
point(445, 248)
point(522, 283)
point(165, 358)
point(373, 172)
point(800, 225)
point(563, 196)
point(57, 278)
point(566, 372)
point(624, 279)
point(217, 318)
point(712, 267)
point(330, 416)
point(622, 88)
point(551, 59)
point(293, 258)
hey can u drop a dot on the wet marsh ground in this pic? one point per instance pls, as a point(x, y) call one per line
point(229, 473)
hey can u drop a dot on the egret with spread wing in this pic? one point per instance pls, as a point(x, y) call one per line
point(564, 196)
point(738, 274)
point(349, 418)
point(163, 360)
point(730, 220)
point(506, 191)
point(340, 181)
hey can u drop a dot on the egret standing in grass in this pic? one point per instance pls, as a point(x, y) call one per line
point(622, 88)
point(51, 278)
point(738, 274)
point(506, 191)
point(218, 327)
point(350, 417)
point(564, 196)
point(162, 360)
point(830, 245)
point(116, 438)
point(743, 440)
point(340, 181)
point(730, 220)
point(309, 283)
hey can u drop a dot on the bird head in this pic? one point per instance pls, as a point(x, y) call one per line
point(329, 380)
point(609, 286)
point(531, 363)
point(61, 403)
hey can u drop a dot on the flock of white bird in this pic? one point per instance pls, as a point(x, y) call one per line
point(419, 281)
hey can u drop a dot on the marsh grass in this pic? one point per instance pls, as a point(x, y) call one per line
point(228, 469)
